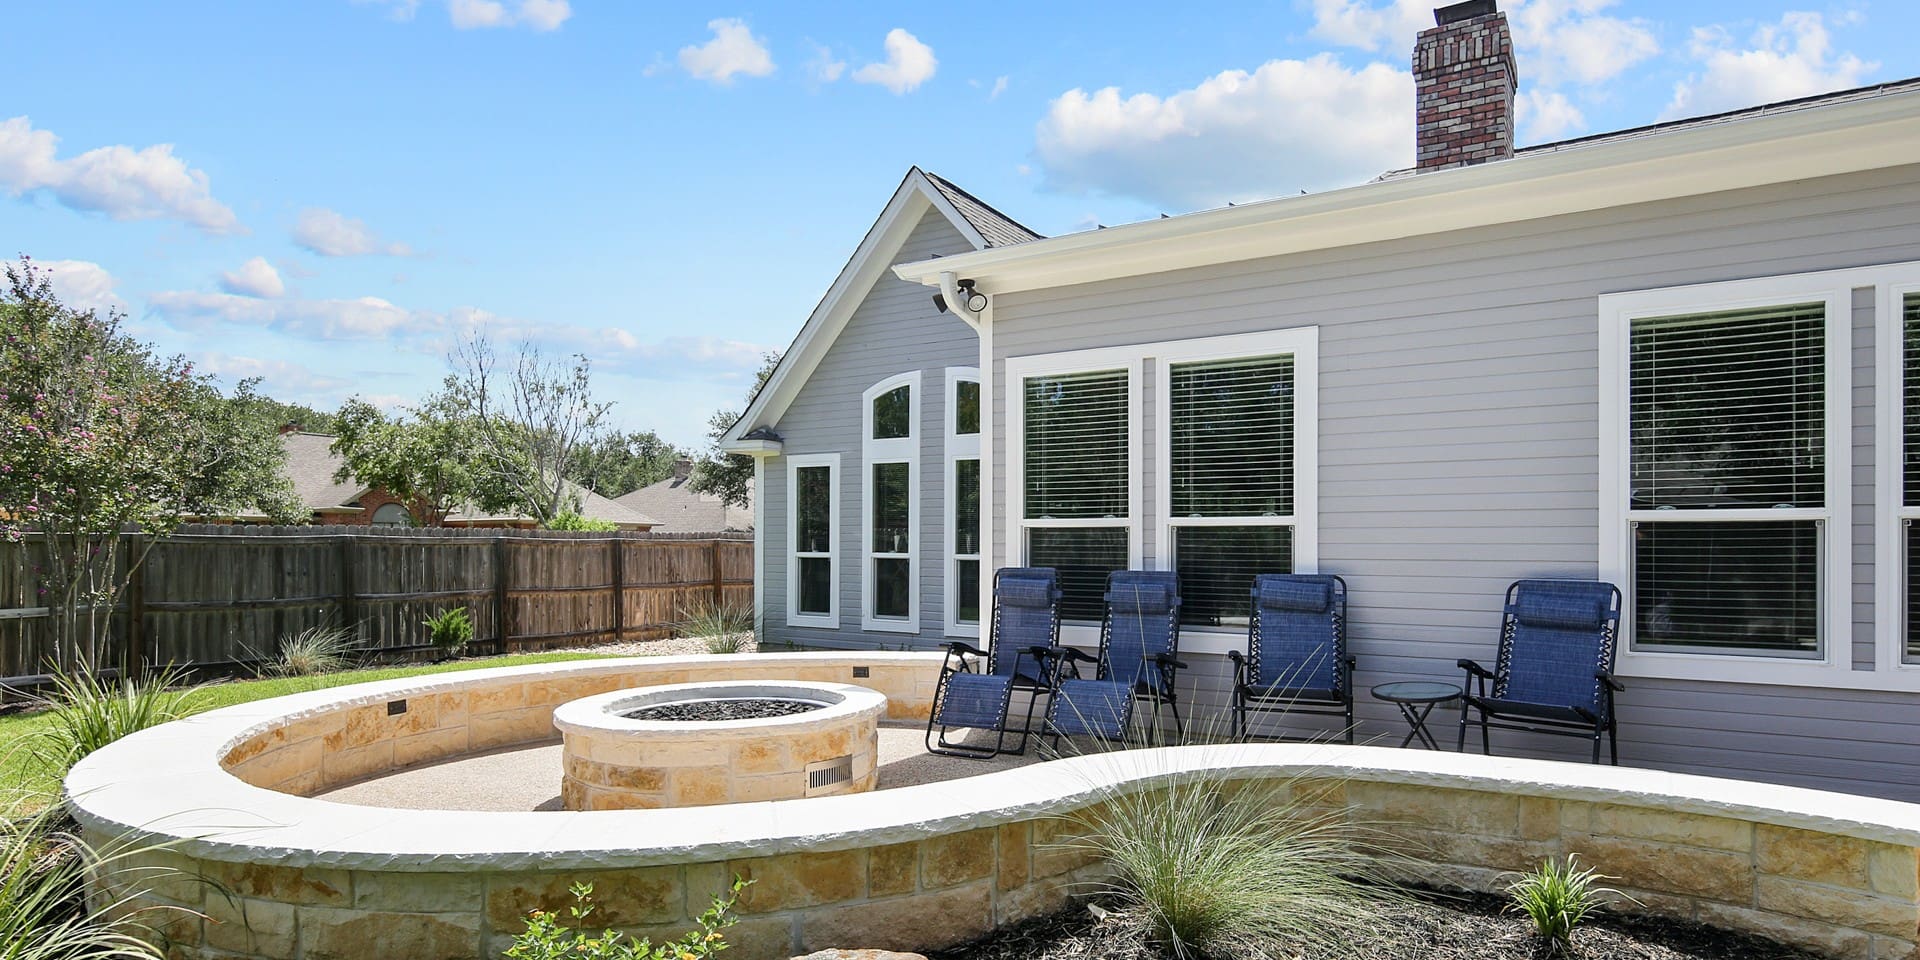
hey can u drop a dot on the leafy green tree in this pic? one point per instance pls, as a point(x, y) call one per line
point(427, 456)
point(620, 463)
point(719, 473)
point(98, 435)
point(297, 414)
point(535, 418)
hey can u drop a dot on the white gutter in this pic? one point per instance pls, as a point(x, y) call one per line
point(949, 284)
point(1814, 141)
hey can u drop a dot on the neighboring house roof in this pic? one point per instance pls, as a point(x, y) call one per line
point(311, 465)
point(680, 509)
point(919, 191)
point(1851, 131)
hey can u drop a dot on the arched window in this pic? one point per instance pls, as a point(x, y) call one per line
point(890, 496)
point(392, 515)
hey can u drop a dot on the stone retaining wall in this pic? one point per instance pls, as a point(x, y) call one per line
point(928, 866)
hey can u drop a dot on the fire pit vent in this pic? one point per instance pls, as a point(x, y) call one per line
point(828, 773)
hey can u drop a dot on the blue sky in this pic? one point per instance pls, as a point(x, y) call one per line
point(326, 193)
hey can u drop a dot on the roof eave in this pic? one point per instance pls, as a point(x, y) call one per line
point(1879, 132)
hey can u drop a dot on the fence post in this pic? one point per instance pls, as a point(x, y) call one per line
point(502, 586)
point(137, 618)
point(619, 587)
point(349, 592)
point(719, 579)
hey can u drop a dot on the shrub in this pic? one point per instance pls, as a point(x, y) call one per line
point(546, 938)
point(316, 650)
point(450, 631)
point(727, 628)
point(574, 521)
point(1557, 897)
point(45, 910)
point(1203, 866)
point(86, 712)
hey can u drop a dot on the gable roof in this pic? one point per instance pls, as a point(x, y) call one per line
point(680, 509)
point(1852, 131)
point(311, 465)
point(981, 225)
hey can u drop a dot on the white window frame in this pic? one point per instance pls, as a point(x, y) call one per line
point(1302, 342)
point(960, 447)
point(896, 450)
point(1892, 283)
point(1833, 665)
point(795, 618)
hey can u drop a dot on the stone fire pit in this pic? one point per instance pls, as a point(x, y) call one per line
point(772, 740)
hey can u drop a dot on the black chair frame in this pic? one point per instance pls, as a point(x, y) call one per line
point(957, 654)
point(1492, 717)
point(1248, 698)
point(1166, 662)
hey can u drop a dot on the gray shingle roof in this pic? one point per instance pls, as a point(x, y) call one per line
point(999, 229)
point(311, 467)
point(680, 510)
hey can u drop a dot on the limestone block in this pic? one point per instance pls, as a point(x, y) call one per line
point(1894, 871)
point(429, 746)
point(362, 726)
point(794, 880)
point(260, 881)
point(1816, 857)
point(621, 898)
point(1036, 899)
point(329, 934)
point(767, 755)
point(1825, 939)
point(1012, 868)
point(924, 921)
point(245, 925)
point(346, 766)
point(1671, 868)
point(957, 857)
point(694, 786)
point(1890, 918)
point(495, 698)
point(419, 892)
point(1455, 811)
point(1644, 823)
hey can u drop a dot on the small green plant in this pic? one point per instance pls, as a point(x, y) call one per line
point(311, 652)
point(1557, 897)
point(726, 628)
point(574, 521)
point(548, 938)
point(86, 712)
point(1207, 867)
point(46, 912)
point(450, 631)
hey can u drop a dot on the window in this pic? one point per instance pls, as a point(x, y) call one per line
point(1230, 481)
point(1725, 438)
point(890, 449)
point(963, 503)
point(813, 544)
point(1077, 486)
point(391, 515)
point(1909, 509)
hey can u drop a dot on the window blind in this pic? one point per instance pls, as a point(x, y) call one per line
point(1749, 585)
point(1216, 568)
point(893, 414)
point(1232, 438)
point(1728, 409)
point(1076, 445)
point(1910, 394)
point(966, 407)
point(1083, 558)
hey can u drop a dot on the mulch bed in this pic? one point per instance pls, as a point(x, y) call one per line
point(759, 708)
point(1435, 926)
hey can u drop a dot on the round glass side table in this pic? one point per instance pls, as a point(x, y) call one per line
point(1416, 700)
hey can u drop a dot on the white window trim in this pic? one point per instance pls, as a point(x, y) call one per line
point(897, 450)
point(1302, 342)
point(1834, 665)
point(795, 618)
point(959, 447)
point(1893, 283)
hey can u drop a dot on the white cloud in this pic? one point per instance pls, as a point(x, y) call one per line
point(279, 379)
point(909, 64)
point(733, 51)
point(538, 15)
point(1358, 23)
point(362, 318)
point(1290, 125)
point(999, 87)
point(1547, 115)
point(331, 234)
point(1571, 41)
point(255, 278)
point(1792, 58)
point(82, 284)
point(124, 183)
point(823, 68)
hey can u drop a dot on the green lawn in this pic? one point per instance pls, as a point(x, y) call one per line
point(23, 788)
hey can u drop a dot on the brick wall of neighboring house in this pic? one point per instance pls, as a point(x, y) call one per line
point(373, 500)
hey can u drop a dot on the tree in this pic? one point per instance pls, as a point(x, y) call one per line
point(297, 414)
point(426, 456)
point(620, 463)
point(534, 422)
point(100, 437)
point(729, 476)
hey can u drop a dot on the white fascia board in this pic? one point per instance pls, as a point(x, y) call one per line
point(869, 263)
point(1777, 148)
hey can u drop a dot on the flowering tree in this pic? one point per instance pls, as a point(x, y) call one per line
point(100, 437)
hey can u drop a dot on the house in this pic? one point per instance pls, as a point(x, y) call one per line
point(1676, 357)
point(312, 465)
point(678, 508)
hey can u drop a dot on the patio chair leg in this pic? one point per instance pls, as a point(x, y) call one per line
point(1596, 744)
point(1461, 746)
point(1486, 740)
point(1350, 729)
point(1613, 740)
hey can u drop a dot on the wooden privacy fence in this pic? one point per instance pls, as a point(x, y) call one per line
point(218, 597)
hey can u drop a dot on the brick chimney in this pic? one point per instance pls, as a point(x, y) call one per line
point(682, 468)
point(1464, 82)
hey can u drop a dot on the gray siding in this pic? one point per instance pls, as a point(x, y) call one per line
point(1459, 434)
point(894, 330)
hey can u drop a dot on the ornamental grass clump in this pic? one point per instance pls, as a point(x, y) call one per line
point(1557, 898)
point(86, 712)
point(1205, 867)
point(46, 912)
point(726, 628)
point(548, 938)
point(311, 652)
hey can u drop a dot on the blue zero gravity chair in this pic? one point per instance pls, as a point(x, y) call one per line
point(1022, 641)
point(1555, 669)
point(1296, 659)
point(1139, 653)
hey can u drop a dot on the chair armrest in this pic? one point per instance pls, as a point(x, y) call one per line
point(962, 647)
point(1606, 677)
point(1475, 669)
point(1352, 662)
point(1237, 657)
point(1075, 655)
point(1167, 660)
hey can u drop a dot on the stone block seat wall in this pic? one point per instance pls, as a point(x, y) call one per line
point(913, 868)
